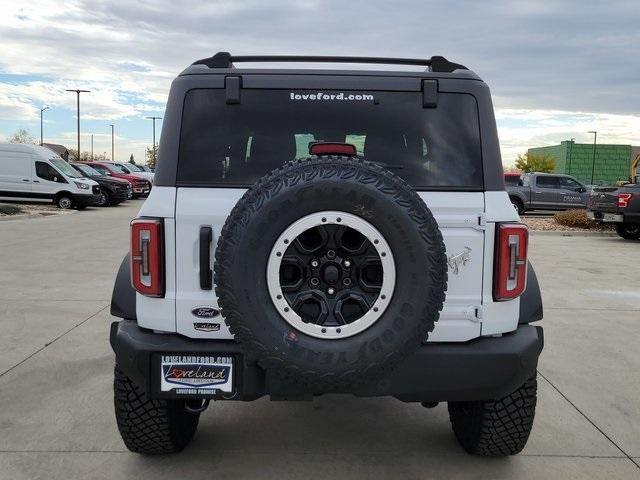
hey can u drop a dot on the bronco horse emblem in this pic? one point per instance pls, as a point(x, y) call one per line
point(455, 261)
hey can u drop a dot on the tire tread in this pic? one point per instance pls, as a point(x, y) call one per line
point(304, 170)
point(150, 426)
point(495, 428)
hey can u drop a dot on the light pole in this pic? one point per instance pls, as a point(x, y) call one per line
point(111, 142)
point(593, 162)
point(78, 92)
point(570, 154)
point(92, 147)
point(154, 137)
point(42, 110)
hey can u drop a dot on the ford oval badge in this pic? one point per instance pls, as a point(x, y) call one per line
point(205, 312)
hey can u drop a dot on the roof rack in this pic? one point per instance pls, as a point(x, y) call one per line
point(225, 60)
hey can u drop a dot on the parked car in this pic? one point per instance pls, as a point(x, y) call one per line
point(112, 190)
point(147, 168)
point(139, 186)
point(134, 169)
point(271, 258)
point(36, 174)
point(547, 191)
point(617, 205)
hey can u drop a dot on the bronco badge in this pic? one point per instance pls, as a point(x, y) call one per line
point(456, 261)
point(206, 326)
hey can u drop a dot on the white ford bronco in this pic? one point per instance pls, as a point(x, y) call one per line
point(327, 231)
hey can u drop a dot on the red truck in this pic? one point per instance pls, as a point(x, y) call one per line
point(139, 186)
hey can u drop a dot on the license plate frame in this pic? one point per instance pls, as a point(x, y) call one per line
point(212, 375)
point(611, 217)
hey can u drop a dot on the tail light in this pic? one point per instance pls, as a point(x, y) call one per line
point(510, 274)
point(147, 256)
point(623, 200)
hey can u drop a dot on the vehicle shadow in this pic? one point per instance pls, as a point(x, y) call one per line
point(336, 436)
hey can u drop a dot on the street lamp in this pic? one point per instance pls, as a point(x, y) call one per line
point(42, 110)
point(570, 154)
point(92, 147)
point(78, 92)
point(154, 137)
point(593, 162)
point(111, 142)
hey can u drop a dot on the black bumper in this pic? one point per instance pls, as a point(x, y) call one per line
point(86, 200)
point(481, 369)
point(626, 216)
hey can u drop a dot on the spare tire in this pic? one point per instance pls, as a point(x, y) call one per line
point(330, 270)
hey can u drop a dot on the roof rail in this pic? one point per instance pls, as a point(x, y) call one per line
point(225, 60)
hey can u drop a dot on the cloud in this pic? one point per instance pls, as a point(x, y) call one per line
point(520, 129)
point(542, 60)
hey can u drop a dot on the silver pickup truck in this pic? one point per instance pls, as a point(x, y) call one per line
point(547, 191)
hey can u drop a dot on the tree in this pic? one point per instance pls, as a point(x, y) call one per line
point(86, 156)
point(131, 160)
point(511, 169)
point(536, 163)
point(21, 136)
point(152, 155)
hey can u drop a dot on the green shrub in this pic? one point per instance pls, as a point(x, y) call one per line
point(575, 219)
point(9, 209)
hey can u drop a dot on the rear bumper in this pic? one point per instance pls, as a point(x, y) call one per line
point(606, 217)
point(611, 217)
point(86, 200)
point(481, 369)
point(141, 189)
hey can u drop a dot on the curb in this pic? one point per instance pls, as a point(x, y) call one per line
point(572, 233)
point(29, 216)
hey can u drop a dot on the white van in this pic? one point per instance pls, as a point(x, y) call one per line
point(35, 173)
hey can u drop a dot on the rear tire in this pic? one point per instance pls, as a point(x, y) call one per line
point(495, 428)
point(628, 231)
point(150, 426)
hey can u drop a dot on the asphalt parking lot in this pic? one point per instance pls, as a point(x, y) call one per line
point(56, 420)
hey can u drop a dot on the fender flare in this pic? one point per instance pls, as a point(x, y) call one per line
point(518, 196)
point(531, 299)
point(123, 298)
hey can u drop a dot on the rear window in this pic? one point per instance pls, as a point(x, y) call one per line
point(236, 144)
point(512, 179)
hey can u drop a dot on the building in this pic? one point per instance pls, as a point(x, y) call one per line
point(59, 149)
point(612, 162)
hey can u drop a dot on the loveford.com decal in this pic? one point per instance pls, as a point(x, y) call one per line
point(193, 374)
point(339, 97)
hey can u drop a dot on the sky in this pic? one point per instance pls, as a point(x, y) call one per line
point(556, 69)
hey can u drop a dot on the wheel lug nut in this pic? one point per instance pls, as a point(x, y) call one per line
point(331, 254)
point(315, 282)
point(347, 263)
point(331, 290)
point(315, 263)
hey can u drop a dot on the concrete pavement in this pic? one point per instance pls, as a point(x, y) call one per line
point(56, 419)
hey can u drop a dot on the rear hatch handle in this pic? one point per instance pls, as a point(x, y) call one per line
point(206, 237)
